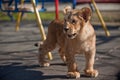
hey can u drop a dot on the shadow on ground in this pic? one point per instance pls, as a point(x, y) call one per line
point(17, 72)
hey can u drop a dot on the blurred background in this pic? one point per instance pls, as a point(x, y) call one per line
point(110, 9)
point(19, 32)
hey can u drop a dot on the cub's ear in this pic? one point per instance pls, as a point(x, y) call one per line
point(67, 9)
point(86, 13)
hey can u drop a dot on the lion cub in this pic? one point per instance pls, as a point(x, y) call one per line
point(74, 35)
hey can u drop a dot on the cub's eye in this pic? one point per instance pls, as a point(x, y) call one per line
point(73, 21)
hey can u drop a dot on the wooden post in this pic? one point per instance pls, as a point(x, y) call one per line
point(101, 19)
point(40, 25)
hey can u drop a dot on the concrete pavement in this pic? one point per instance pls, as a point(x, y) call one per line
point(18, 56)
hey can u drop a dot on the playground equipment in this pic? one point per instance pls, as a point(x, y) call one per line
point(9, 6)
point(56, 9)
point(35, 10)
point(18, 8)
point(23, 9)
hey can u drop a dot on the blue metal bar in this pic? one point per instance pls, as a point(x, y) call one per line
point(42, 9)
point(74, 4)
point(42, 3)
point(36, 2)
point(91, 6)
point(11, 17)
point(0, 4)
point(10, 2)
point(16, 5)
point(9, 13)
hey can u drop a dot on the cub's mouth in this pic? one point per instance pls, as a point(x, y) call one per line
point(72, 36)
point(69, 34)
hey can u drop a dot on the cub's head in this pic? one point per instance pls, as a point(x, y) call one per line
point(74, 20)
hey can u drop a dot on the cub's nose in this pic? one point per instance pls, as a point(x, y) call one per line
point(66, 29)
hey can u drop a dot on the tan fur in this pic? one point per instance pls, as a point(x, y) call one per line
point(74, 35)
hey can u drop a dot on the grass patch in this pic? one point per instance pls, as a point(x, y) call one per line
point(31, 16)
point(107, 16)
point(43, 15)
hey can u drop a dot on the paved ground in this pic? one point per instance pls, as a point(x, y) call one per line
point(18, 56)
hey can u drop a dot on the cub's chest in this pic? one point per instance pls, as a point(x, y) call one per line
point(78, 46)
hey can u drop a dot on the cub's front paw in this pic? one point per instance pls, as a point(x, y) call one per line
point(73, 74)
point(93, 73)
point(45, 64)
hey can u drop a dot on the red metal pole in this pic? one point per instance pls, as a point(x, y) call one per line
point(56, 9)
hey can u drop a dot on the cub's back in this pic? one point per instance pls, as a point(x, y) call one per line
point(55, 31)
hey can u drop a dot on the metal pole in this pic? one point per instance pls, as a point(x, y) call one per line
point(19, 15)
point(101, 19)
point(56, 9)
point(40, 25)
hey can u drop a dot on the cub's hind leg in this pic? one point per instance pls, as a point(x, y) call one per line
point(62, 55)
point(43, 50)
point(48, 45)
